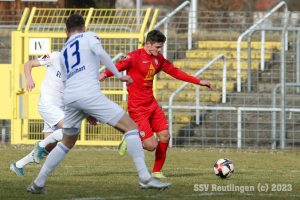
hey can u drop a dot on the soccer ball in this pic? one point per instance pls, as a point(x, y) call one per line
point(223, 168)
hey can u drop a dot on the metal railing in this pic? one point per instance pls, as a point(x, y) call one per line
point(165, 22)
point(261, 21)
point(239, 117)
point(169, 107)
point(249, 82)
point(274, 114)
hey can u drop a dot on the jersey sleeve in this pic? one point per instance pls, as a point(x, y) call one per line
point(94, 39)
point(124, 64)
point(48, 59)
point(177, 73)
point(62, 68)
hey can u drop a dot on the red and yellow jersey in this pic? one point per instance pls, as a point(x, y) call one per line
point(142, 67)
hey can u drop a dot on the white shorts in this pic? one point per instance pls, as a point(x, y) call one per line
point(51, 114)
point(98, 106)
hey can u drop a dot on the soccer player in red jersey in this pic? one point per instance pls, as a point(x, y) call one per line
point(142, 65)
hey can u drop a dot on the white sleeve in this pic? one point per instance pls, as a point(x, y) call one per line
point(62, 69)
point(93, 39)
point(105, 59)
point(47, 60)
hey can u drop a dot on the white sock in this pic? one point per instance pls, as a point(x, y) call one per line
point(52, 161)
point(136, 152)
point(26, 160)
point(56, 136)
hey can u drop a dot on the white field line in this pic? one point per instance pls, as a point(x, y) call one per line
point(167, 168)
point(192, 195)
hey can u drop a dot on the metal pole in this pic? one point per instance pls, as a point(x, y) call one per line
point(3, 132)
point(262, 54)
point(138, 13)
point(190, 29)
point(274, 116)
point(249, 49)
point(283, 74)
point(194, 4)
point(274, 112)
point(165, 50)
point(224, 80)
point(244, 34)
point(170, 126)
point(239, 128)
point(171, 14)
point(197, 104)
point(287, 14)
point(249, 60)
point(298, 60)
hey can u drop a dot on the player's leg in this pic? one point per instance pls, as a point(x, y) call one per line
point(160, 126)
point(136, 152)
point(106, 111)
point(53, 116)
point(72, 123)
point(145, 130)
point(17, 167)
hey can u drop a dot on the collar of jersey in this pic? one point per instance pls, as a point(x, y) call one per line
point(144, 54)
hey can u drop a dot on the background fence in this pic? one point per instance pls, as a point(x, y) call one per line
point(217, 33)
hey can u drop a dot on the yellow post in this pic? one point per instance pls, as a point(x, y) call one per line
point(88, 18)
point(16, 122)
point(30, 19)
point(23, 19)
point(82, 130)
point(154, 18)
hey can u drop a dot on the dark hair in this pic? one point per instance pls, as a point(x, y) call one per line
point(75, 23)
point(155, 36)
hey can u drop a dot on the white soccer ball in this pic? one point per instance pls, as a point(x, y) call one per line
point(223, 168)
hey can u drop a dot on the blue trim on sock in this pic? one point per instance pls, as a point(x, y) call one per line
point(63, 148)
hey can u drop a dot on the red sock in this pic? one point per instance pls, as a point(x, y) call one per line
point(160, 156)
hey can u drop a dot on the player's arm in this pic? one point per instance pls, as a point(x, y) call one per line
point(122, 65)
point(106, 60)
point(27, 70)
point(181, 75)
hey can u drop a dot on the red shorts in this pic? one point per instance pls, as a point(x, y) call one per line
point(149, 121)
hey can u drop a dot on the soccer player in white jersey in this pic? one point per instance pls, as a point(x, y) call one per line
point(50, 106)
point(82, 96)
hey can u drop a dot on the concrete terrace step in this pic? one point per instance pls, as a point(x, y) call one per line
point(205, 54)
point(198, 64)
point(233, 45)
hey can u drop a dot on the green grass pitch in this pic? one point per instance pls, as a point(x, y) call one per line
point(92, 173)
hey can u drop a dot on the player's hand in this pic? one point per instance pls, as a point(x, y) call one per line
point(127, 79)
point(102, 77)
point(92, 120)
point(30, 85)
point(206, 84)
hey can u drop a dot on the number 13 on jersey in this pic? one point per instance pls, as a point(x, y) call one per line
point(76, 53)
